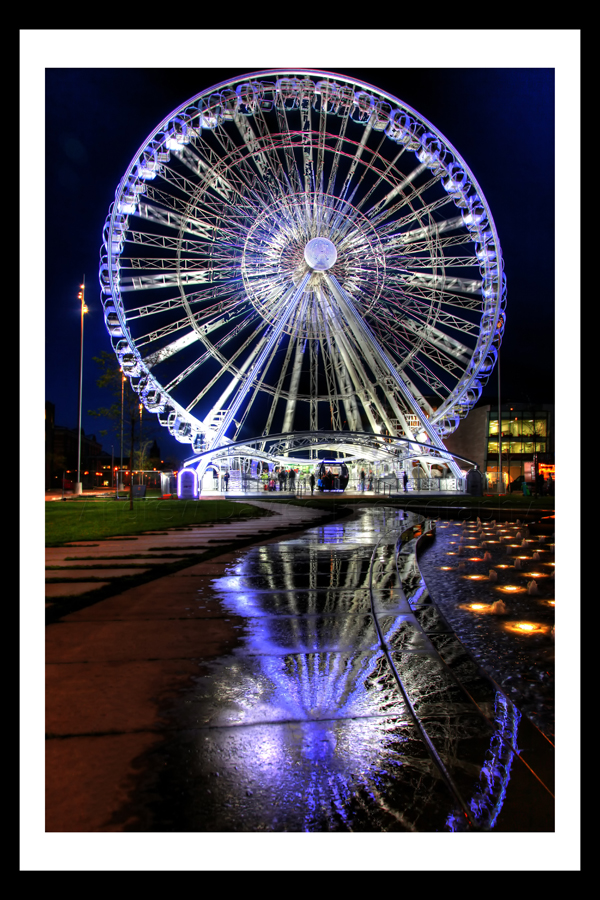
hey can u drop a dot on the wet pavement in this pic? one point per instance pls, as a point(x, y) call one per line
point(340, 699)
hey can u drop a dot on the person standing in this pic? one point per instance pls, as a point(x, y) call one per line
point(405, 481)
point(292, 477)
point(226, 480)
point(362, 480)
point(540, 484)
point(370, 480)
point(312, 483)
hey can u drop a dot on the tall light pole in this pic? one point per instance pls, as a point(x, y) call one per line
point(140, 442)
point(120, 483)
point(84, 309)
point(500, 480)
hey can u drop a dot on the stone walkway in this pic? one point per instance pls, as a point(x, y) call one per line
point(112, 666)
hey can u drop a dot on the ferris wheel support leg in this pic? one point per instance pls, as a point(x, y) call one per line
point(351, 314)
point(286, 314)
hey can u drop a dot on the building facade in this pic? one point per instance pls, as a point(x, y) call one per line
point(518, 446)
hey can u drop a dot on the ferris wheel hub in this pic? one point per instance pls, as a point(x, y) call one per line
point(320, 254)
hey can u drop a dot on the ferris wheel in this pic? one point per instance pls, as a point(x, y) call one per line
point(298, 250)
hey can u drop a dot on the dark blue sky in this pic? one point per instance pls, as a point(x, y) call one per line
point(500, 120)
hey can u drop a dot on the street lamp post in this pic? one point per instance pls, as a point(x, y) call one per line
point(121, 485)
point(84, 309)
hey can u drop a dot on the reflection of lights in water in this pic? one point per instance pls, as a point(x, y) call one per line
point(338, 711)
point(494, 776)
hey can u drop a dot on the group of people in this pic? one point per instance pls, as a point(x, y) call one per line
point(286, 479)
point(329, 481)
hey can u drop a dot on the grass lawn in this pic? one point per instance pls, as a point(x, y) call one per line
point(93, 519)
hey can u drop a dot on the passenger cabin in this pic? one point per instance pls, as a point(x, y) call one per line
point(331, 475)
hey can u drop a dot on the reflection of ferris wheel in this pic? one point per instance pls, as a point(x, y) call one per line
point(296, 250)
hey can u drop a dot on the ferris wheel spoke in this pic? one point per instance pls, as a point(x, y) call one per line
point(210, 352)
point(406, 263)
point(213, 173)
point(388, 173)
point(362, 329)
point(398, 292)
point(418, 239)
point(257, 358)
point(357, 158)
point(307, 148)
point(450, 355)
point(228, 364)
point(261, 153)
point(401, 229)
point(352, 352)
point(382, 211)
point(258, 386)
point(197, 332)
point(426, 314)
point(292, 174)
point(330, 369)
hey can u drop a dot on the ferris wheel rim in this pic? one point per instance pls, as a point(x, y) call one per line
point(451, 401)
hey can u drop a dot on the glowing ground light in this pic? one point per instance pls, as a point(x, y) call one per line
point(476, 577)
point(446, 568)
point(477, 606)
point(526, 627)
point(510, 588)
point(551, 602)
point(474, 559)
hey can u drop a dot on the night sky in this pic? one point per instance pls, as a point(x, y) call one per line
point(500, 120)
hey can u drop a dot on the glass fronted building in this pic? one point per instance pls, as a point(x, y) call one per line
point(524, 438)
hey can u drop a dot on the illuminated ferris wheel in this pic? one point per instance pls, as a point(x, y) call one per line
point(298, 250)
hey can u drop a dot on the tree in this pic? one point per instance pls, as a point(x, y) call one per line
point(112, 379)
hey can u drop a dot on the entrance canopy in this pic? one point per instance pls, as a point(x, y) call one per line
point(301, 447)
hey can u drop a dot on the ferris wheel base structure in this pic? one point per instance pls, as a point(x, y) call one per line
point(352, 448)
point(297, 252)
